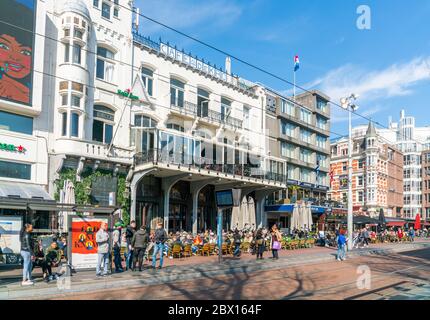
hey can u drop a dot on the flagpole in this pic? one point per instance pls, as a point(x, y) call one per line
point(294, 87)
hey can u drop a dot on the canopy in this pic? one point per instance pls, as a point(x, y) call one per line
point(362, 220)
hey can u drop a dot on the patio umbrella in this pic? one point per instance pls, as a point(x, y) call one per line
point(294, 221)
point(251, 212)
point(235, 213)
point(245, 213)
point(69, 195)
point(417, 225)
point(309, 214)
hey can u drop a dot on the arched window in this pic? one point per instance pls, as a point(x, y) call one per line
point(105, 64)
point(148, 79)
point(176, 127)
point(203, 134)
point(103, 124)
point(143, 121)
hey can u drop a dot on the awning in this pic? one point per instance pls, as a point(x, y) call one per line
point(17, 190)
point(395, 223)
point(288, 208)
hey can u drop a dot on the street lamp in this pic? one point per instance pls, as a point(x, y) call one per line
point(349, 105)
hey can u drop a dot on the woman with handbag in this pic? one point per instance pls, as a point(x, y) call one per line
point(275, 242)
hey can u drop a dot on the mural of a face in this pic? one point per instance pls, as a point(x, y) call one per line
point(15, 59)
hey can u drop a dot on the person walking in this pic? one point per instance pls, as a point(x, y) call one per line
point(366, 237)
point(260, 243)
point(116, 243)
point(27, 253)
point(341, 243)
point(160, 238)
point(129, 233)
point(139, 243)
point(412, 234)
point(275, 241)
point(102, 239)
point(237, 241)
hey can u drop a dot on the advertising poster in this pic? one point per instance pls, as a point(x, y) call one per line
point(16, 50)
point(82, 239)
point(10, 245)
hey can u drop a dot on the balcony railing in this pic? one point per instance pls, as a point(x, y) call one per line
point(191, 109)
point(156, 156)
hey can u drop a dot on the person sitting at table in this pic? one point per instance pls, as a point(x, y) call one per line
point(197, 243)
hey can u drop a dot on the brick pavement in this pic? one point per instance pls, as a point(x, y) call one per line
point(183, 270)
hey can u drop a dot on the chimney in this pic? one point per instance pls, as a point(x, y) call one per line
point(136, 19)
point(228, 65)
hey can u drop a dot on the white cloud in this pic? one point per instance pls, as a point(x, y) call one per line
point(372, 86)
point(188, 13)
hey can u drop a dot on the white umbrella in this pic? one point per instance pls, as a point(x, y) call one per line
point(69, 196)
point(310, 222)
point(295, 217)
point(235, 213)
point(303, 216)
point(251, 212)
point(244, 213)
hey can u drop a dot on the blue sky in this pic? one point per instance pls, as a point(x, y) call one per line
point(388, 65)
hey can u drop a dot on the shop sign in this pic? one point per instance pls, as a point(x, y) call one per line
point(127, 94)
point(12, 148)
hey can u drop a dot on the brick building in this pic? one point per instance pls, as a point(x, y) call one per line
point(377, 178)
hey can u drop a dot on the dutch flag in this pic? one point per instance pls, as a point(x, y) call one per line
point(296, 63)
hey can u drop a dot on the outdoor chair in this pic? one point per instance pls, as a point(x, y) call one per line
point(187, 251)
point(245, 246)
point(231, 249)
point(176, 251)
point(224, 248)
point(310, 243)
point(284, 244)
point(205, 250)
point(212, 248)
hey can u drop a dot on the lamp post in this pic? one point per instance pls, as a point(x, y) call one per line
point(349, 105)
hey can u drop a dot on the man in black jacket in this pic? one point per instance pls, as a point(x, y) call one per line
point(159, 239)
point(139, 243)
point(129, 233)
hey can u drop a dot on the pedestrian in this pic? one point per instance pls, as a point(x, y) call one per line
point(260, 243)
point(237, 238)
point(102, 239)
point(341, 243)
point(116, 243)
point(27, 253)
point(160, 238)
point(275, 242)
point(129, 233)
point(52, 259)
point(412, 234)
point(139, 243)
point(366, 237)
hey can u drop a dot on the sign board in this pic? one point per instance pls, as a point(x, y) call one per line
point(10, 246)
point(82, 240)
point(224, 198)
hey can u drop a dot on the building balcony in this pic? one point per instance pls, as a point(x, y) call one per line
point(93, 149)
point(202, 165)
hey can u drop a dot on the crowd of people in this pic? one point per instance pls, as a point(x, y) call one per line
point(141, 244)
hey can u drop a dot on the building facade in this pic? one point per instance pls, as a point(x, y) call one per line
point(425, 158)
point(299, 133)
point(133, 123)
point(377, 177)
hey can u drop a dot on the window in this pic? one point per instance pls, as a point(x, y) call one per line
point(360, 196)
point(321, 141)
point(321, 123)
point(322, 160)
point(305, 135)
point(103, 124)
point(305, 155)
point(288, 150)
point(360, 181)
point(16, 123)
point(287, 128)
point(321, 105)
point(225, 108)
point(291, 172)
point(305, 175)
point(15, 170)
point(176, 127)
point(287, 107)
point(76, 101)
point(64, 124)
point(66, 52)
point(344, 166)
point(64, 100)
point(305, 115)
point(77, 54)
point(105, 10)
point(177, 93)
point(246, 119)
point(78, 34)
point(105, 65)
point(360, 164)
point(202, 103)
point(144, 121)
point(96, 3)
point(115, 12)
point(148, 80)
point(75, 125)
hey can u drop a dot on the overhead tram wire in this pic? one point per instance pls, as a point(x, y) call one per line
point(249, 64)
point(309, 126)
